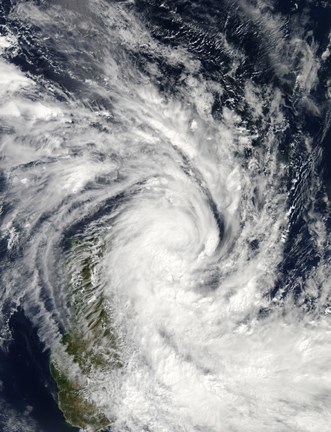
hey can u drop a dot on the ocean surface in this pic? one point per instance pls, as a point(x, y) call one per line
point(186, 147)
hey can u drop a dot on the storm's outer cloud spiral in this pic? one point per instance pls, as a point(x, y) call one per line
point(181, 144)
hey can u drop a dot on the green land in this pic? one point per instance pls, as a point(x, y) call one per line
point(89, 345)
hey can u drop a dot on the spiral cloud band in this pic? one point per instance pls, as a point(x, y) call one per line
point(144, 186)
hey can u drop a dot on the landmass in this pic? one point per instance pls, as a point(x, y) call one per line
point(88, 345)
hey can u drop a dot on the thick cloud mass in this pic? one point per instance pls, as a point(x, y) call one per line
point(186, 156)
